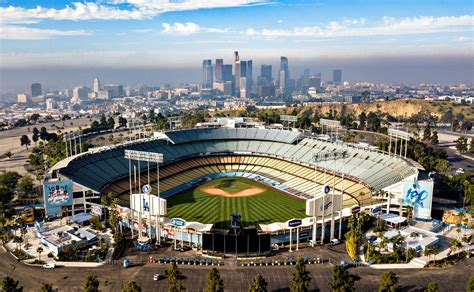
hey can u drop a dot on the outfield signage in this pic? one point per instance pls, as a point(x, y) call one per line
point(178, 222)
point(294, 223)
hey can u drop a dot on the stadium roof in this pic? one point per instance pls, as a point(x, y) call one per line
point(95, 170)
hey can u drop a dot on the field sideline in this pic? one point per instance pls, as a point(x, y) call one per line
point(267, 207)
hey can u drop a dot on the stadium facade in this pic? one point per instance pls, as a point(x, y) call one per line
point(284, 159)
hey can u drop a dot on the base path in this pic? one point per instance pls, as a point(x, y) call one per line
point(243, 193)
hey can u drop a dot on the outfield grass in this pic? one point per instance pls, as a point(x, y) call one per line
point(267, 207)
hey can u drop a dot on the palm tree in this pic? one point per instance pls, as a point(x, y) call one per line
point(39, 250)
point(64, 213)
point(18, 240)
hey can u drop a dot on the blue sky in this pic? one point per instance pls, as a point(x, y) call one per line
point(159, 33)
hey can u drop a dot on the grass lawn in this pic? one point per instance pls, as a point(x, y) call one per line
point(267, 207)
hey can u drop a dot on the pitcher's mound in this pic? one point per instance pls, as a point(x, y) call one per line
point(252, 191)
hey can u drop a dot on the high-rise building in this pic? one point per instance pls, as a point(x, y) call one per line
point(96, 85)
point(284, 75)
point(207, 78)
point(51, 104)
point(22, 98)
point(236, 72)
point(243, 87)
point(249, 74)
point(266, 72)
point(337, 76)
point(227, 73)
point(36, 89)
point(80, 93)
point(218, 70)
point(315, 81)
point(114, 90)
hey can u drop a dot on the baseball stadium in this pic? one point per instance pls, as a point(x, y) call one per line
point(266, 176)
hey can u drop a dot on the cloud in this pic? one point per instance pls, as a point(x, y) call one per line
point(188, 28)
point(76, 12)
point(389, 26)
point(140, 9)
point(10, 32)
point(142, 30)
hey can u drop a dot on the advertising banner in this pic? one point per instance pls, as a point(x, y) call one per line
point(419, 195)
point(57, 195)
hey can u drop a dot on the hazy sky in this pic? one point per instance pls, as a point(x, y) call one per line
point(64, 42)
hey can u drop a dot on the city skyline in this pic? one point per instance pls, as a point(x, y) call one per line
point(67, 43)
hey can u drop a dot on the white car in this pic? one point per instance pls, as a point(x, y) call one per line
point(49, 266)
point(156, 277)
point(460, 170)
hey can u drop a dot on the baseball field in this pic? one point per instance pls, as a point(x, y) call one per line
point(214, 201)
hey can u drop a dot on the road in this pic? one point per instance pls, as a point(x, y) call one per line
point(112, 278)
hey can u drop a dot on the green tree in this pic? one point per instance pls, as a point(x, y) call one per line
point(427, 133)
point(461, 144)
point(114, 216)
point(39, 250)
point(111, 123)
point(258, 284)
point(25, 141)
point(10, 285)
point(91, 284)
point(388, 282)
point(434, 138)
point(470, 284)
point(300, 277)
point(174, 278)
point(432, 287)
point(25, 184)
point(17, 240)
point(122, 121)
point(46, 287)
point(341, 281)
point(471, 146)
point(131, 286)
point(214, 281)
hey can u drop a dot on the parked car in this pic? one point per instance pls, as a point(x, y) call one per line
point(156, 277)
point(49, 266)
point(335, 241)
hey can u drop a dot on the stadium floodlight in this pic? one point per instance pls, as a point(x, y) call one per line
point(144, 156)
point(174, 120)
point(329, 155)
point(288, 118)
point(330, 123)
point(398, 134)
point(73, 136)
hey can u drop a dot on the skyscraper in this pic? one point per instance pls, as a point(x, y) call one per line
point(96, 85)
point(249, 74)
point(284, 74)
point(227, 72)
point(337, 76)
point(315, 81)
point(218, 70)
point(207, 78)
point(36, 89)
point(236, 72)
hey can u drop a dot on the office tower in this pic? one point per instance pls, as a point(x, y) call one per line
point(315, 81)
point(236, 72)
point(284, 74)
point(36, 89)
point(305, 77)
point(234, 62)
point(79, 93)
point(218, 70)
point(227, 73)
point(337, 76)
point(207, 78)
point(22, 98)
point(243, 87)
point(96, 85)
point(266, 72)
point(50, 104)
point(113, 91)
point(249, 74)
